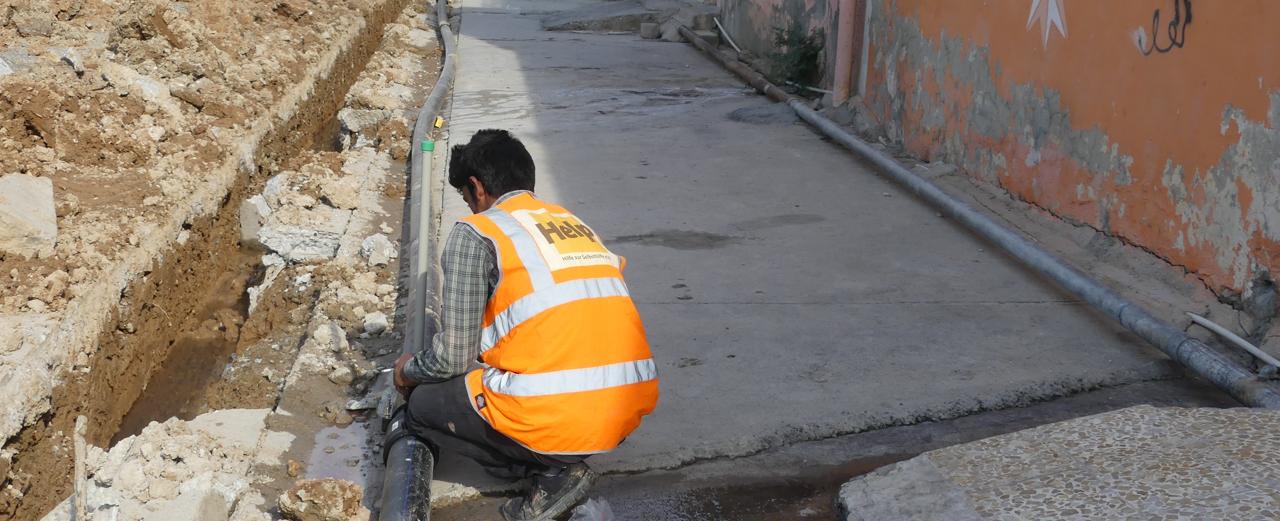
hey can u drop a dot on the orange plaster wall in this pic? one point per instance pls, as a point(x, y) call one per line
point(1160, 111)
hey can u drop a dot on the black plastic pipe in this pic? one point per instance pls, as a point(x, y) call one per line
point(406, 483)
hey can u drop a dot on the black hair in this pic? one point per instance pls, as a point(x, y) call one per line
point(496, 158)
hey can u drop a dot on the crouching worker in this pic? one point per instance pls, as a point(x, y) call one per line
point(532, 293)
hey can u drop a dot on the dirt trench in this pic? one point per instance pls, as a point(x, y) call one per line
point(164, 305)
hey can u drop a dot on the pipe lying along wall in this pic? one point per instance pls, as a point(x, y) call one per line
point(1201, 359)
point(406, 489)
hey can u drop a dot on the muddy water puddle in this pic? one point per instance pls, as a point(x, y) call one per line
point(200, 353)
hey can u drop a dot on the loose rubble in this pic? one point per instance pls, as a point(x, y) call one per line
point(318, 226)
point(28, 224)
point(198, 469)
point(378, 250)
point(324, 500)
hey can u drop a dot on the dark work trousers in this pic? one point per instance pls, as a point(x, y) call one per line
point(441, 414)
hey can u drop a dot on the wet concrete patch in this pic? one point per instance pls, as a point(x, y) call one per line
point(679, 239)
point(765, 115)
point(776, 221)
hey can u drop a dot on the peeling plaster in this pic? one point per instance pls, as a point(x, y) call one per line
point(1035, 116)
point(941, 97)
point(1211, 208)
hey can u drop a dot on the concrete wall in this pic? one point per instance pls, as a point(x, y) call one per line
point(1161, 132)
point(751, 23)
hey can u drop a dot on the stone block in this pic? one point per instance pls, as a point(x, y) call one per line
point(34, 21)
point(305, 235)
point(341, 192)
point(275, 188)
point(72, 57)
point(650, 31)
point(375, 323)
point(254, 212)
point(326, 499)
point(15, 59)
point(130, 82)
point(711, 37)
point(357, 120)
point(421, 39)
point(200, 499)
point(378, 250)
point(28, 219)
point(704, 22)
point(670, 30)
point(914, 489)
point(241, 428)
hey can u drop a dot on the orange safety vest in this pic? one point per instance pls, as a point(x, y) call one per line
point(568, 368)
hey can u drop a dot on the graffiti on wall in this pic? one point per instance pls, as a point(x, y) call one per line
point(1175, 30)
point(1049, 14)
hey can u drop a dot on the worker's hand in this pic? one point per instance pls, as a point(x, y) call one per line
point(404, 385)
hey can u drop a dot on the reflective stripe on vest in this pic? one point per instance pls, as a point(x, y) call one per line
point(540, 301)
point(539, 273)
point(570, 380)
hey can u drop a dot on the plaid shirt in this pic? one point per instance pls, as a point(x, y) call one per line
point(470, 266)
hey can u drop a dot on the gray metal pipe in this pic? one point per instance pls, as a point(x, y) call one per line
point(1201, 359)
point(406, 488)
point(419, 164)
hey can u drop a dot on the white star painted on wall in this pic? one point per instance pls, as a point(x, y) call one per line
point(1050, 14)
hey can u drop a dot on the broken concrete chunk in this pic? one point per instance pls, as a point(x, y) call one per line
point(304, 235)
point(24, 331)
point(342, 375)
point(712, 37)
point(420, 39)
point(390, 97)
point(356, 120)
point(174, 470)
point(274, 264)
point(16, 59)
point(6, 460)
point(298, 244)
point(378, 250)
point(704, 22)
point(129, 81)
point(72, 57)
point(375, 323)
point(671, 31)
point(35, 20)
point(274, 188)
point(326, 499)
point(28, 219)
point(297, 199)
point(650, 31)
point(240, 428)
point(341, 192)
point(254, 212)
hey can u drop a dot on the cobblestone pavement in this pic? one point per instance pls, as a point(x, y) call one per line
point(1137, 463)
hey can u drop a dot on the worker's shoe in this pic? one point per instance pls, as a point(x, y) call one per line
point(551, 494)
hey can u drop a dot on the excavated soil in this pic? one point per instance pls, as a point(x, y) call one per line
point(120, 161)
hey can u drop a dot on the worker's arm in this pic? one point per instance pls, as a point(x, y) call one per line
point(468, 264)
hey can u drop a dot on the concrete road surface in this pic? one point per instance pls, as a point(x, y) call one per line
point(789, 293)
